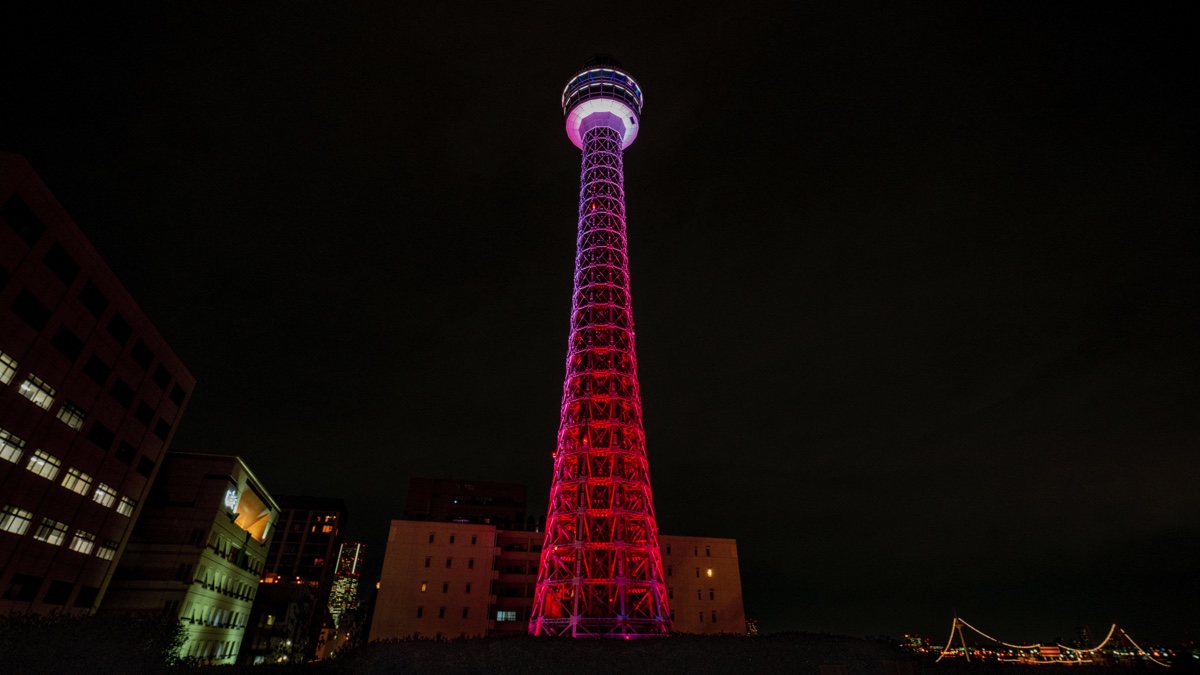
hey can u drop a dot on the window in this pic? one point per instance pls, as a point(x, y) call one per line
point(701, 617)
point(465, 609)
point(51, 531)
point(31, 310)
point(468, 588)
point(473, 538)
point(506, 615)
point(107, 550)
point(61, 263)
point(698, 597)
point(161, 377)
point(97, 370)
point(424, 586)
point(121, 392)
point(8, 368)
point(34, 389)
point(23, 587)
point(712, 595)
point(23, 220)
point(431, 537)
point(451, 539)
point(697, 571)
point(145, 466)
point(127, 505)
point(448, 562)
point(471, 563)
point(427, 561)
point(83, 542)
point(125, 452)
point(177, 395)
point(67, 343)
point(670, 593)
point(10, 446)
point(709, 572)
point(71, 415)
point(707, 551)
point(144, 413)
point(162, 429)
point(101, 435)
point(420, 612)
point(445, 587)
point(44, 464)
point(77, 481)
point(119, 329)
point(668, 549)
point(714, 617)
point(668, 570)
point(441, 612)
point(141, 354)
point(15, 520)
point(93, 300)
point(104, 495)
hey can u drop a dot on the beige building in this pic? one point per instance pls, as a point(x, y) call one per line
point(704, 584)
point(197, 552)
point(444, 579)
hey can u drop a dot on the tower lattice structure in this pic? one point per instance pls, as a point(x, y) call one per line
point(601, 571)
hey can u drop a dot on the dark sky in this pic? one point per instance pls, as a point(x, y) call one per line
point(915, 288)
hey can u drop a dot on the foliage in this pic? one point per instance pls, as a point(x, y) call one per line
point(63, 643)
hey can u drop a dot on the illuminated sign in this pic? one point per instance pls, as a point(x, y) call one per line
point(231, 498)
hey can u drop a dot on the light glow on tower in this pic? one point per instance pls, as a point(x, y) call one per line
point(601, 571)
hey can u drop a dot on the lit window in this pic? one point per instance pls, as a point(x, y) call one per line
point(83, 542)
point(77, 481)
point(72, 415)
point(44, 464)
point(126, 506)
point(424, 586)
point(104, 495)
point(326, 529)
point(10, 446)
point(709, 572)
point(107, 550)
point(8, 368)
point(34, 389)
point(51, 531)
point(15, 520)
point(506, 615)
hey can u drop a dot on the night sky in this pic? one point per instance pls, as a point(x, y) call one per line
point(915, 288)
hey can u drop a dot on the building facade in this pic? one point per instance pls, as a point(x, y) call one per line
point(472, 580)
point(468, 501)
point(462, 576)
point(291, 611)
point(197, 552)
point(90, 397)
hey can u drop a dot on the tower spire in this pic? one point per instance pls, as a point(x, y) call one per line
point(601, 570)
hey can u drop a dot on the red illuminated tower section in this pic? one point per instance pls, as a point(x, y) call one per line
point(601, 571)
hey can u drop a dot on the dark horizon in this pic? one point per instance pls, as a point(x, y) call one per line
point(915, 290)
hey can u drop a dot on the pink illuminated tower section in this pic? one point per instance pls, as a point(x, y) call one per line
point(601, 570)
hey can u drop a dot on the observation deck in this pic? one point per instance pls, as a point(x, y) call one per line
point(602, 94)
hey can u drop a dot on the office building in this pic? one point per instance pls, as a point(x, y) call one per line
point(473, 579)
point(197, 552)
point(90, 397)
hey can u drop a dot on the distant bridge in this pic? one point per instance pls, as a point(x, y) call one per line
point(1040, 653)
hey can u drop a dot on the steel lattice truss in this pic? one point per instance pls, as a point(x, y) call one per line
point(601, 570)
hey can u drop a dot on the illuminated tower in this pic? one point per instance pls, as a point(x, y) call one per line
point(601, 570)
